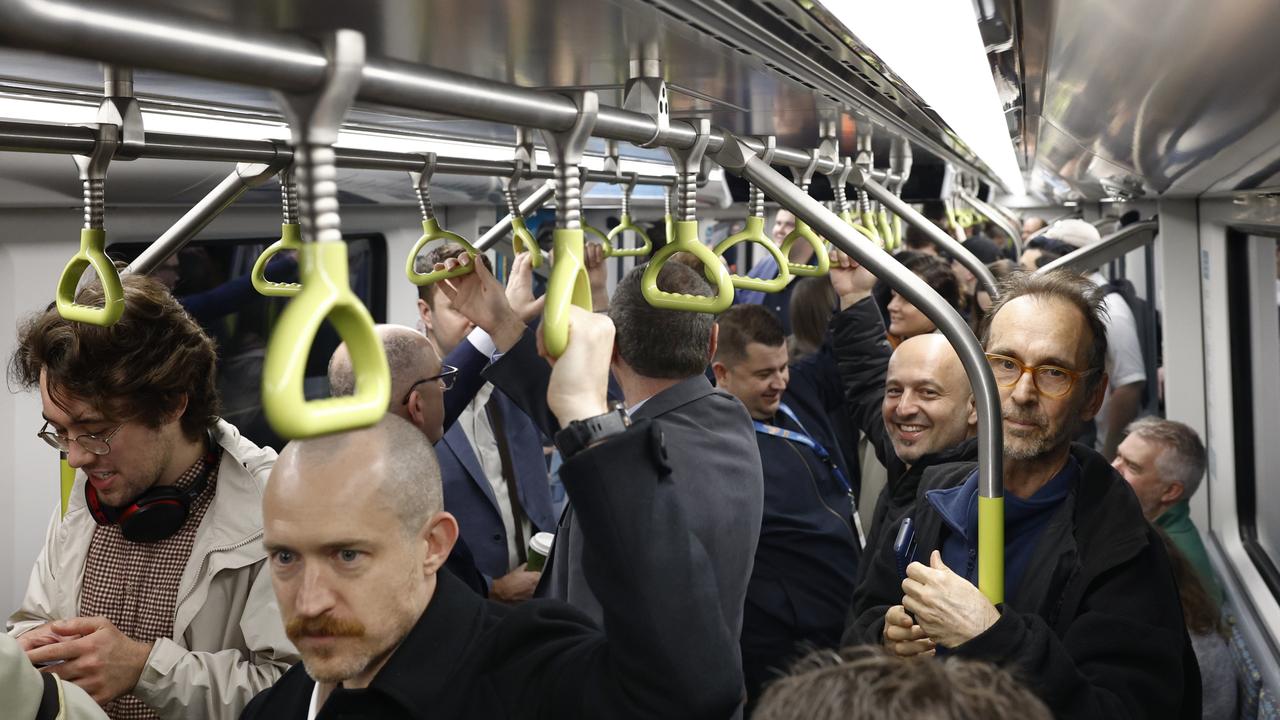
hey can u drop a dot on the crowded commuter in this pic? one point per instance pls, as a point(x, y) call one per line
point(1126, 365)
point(149, 592)
point(495, 473)
point(1090, 617)
point(1000, 270)
point(1219, 685)
point(1164, 462)
point(913, 403)
point(807, 557)
point(659, 362)
point(382, 633)
point(867, 683)
point(1041, 251)
point(1032, 225)
point(812, 303)
point(905, 320)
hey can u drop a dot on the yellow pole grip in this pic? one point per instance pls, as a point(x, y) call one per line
point(686, 240)
point(804, 232)
point(754, 233)
point(626, 225)
point(568, 285)
point(991, 548)
point(523, 241)
point(93, 254)
point(431, 232)
point(290, 239)
point(326, 295)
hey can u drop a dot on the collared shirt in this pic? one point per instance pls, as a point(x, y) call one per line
point(476, 425)
point(135, 585)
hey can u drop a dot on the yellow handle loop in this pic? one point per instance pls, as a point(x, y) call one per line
point(883, 229)
point(668, 227)
point(326, 294)
point(67, 480)
point(290, 239)
point(92, 253)
point(431, 232)
point(897, 233)
point(625, 225)
point(599, 236)
point(803, 232)
point(686, 240)
point(523, 241)
point(568, 285)
point(754, 233)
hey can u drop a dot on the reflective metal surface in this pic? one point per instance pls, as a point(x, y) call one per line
point(1169, 97)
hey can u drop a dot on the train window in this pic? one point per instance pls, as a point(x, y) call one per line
point(1255, 359)
point(211, 279)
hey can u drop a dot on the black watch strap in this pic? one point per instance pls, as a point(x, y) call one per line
point(581, 434)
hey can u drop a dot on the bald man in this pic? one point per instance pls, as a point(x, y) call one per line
point(418, 378)
point(356, 533)
point(914, 403)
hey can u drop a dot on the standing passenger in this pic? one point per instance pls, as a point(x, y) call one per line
point(807, 557)
point(150, 590)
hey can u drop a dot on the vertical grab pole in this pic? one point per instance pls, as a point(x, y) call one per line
point(569, 283)
point(314, 120)
point(736, 157)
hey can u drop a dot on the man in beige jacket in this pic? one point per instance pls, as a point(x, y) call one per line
point(150, 593)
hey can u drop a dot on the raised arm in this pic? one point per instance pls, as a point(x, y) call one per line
point(861, 349)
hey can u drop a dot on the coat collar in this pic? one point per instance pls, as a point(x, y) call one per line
point(682, 393)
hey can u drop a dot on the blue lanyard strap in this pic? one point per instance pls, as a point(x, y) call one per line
point(804, 439)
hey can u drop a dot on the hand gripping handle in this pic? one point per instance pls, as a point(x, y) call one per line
point(686, 240)
point(754, 233)
point(567, 286)
point(626, 225)
point(431, 232)
point(93, 254)
point(290, 239)
point(523, 241)
point(804, 232)
point(326, 294)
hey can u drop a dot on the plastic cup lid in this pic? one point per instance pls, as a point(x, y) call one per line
point(541, 543)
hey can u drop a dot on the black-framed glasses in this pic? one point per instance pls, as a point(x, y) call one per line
point(446, 376)
point(1051, 380)
point(90, 442)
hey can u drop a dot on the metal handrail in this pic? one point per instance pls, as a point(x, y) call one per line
point(531, 203)
point(996, 217)
point(1116, 245)
point(741, 159)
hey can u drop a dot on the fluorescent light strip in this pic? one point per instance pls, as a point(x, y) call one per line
point(936, 48)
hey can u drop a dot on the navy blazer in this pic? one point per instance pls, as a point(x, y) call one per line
point(468, 494)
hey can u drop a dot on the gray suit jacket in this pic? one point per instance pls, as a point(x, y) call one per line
point(715, 464)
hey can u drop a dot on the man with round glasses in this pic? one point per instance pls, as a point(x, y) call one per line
point(1091, 618)
point(149, 592)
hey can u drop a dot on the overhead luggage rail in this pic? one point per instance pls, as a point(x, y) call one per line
point(326, 292)
point(1114, 246)
point(740, 158)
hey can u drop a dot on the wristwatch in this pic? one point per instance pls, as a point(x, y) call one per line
point(582, 434)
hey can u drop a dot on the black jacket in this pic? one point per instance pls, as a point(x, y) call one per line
point(663, 654)
point(1096, 628)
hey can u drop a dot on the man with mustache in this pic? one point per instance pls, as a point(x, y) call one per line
point(356, 534)
point(1091, 618)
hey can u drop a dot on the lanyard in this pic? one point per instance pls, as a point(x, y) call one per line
point(803, 438)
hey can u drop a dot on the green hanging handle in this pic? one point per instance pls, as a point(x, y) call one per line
point(92, 253)
point(883, 228)
point(626, 225)
point(754, 233)
point(686, 240)
point(522, 241)
point(290, 239)
point(431, 231)
point(804, 232)
point(567, 286)
point(897, 233)
point(326, 294)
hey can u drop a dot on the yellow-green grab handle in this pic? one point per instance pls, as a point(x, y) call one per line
point(92, 252)
point(523, 241)
point(847, 217)
point(754, 232)
point(991, 548)
point(897, 234)
point(290, 239)
point(326, 294)
point(687, 241)
point(667, 226)
point(431, 232)
point(598, 235)
point(568, 285)
point(884, 229)
point(66, 480)
point(803, 232)
point(625, 225)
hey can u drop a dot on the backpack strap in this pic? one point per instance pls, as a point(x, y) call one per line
point(51, 703)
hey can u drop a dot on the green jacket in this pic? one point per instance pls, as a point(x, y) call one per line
point(1176, 521)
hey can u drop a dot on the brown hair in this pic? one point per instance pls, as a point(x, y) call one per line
point(1068, 287)
point(139, 368)
point(812, 303)
point(866, 682)
point(1199, 610)
point(659, 343)
point(742, 325)
point(423, 263)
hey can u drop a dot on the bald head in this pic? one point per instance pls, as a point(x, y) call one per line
point(387, 468)
point(410, 357)
point(928, 406)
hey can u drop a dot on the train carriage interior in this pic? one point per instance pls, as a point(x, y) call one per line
point(201, 132)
